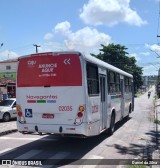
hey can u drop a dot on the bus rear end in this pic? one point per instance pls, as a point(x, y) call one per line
point(50, 93)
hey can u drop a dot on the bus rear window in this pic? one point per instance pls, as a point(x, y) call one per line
point(61, 70)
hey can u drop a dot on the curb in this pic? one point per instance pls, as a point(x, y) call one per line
point(157, 121)
point(156, 152)
point(8, 132)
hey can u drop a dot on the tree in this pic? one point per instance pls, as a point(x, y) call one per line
point(117, 56)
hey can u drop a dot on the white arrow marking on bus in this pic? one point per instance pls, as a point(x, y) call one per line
point(67, 61)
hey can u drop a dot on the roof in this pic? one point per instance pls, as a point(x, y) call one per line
point(106, 65)
point(86, 57)
point(9, 60)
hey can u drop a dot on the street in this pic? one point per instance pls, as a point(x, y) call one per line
point(133, 138)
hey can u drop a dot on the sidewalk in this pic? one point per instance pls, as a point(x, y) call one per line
point(156, 153)
point(7, 127)
point(157, 121)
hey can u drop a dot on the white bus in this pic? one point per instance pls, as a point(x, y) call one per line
point(69, 93)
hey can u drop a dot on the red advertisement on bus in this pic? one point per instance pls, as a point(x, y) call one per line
point(48, 70)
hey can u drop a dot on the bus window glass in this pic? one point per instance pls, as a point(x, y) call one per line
point(111, 82)
point(117, 83)
point(127, 85)
point(130, 85)
point(92, 79)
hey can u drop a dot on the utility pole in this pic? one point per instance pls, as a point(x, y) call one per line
point(36, 47)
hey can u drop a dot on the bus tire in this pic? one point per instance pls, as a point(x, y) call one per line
point(112, 124)
point(129, 111)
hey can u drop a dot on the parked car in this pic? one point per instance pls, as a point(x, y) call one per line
point(8, 109)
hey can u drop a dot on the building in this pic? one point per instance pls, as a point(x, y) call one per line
point(8, 69)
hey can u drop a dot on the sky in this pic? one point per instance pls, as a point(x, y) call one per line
point(81, 25)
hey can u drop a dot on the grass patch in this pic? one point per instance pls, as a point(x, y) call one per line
point(139, 94)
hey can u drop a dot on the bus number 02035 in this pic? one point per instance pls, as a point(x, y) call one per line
point(65, 108)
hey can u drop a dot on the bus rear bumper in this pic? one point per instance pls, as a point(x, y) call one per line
point(56, 129)
point(82, 129)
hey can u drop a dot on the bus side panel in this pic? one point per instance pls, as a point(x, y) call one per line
point(109, 110)
point(93, 115)
point(114, 103)
point(127, 102)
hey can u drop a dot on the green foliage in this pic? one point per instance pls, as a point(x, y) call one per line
point(117, 56)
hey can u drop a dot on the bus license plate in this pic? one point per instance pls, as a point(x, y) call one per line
point(47, 115)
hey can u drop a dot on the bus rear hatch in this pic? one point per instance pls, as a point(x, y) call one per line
point(49, 88)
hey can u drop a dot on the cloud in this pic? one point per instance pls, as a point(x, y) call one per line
point(154, 48)
point(85, 40)
point(48, 36)
point(145, 53)
point(150, 70)
point(62, 28)
point(136, 56)
point(8, 55)
point(109, 12)
point(52, 46)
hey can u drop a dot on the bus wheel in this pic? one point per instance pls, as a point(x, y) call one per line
point(129, 111)
point(112, 124)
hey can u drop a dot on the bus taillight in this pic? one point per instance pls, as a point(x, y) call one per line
point(81, 110)
point(80, 114)
point(20, 117)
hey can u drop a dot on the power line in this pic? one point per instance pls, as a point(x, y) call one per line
point(21, 47)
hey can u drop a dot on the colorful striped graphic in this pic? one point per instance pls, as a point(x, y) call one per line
point(116, 96)
point(41, 101)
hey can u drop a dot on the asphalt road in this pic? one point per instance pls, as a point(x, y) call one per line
point(133, 138)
